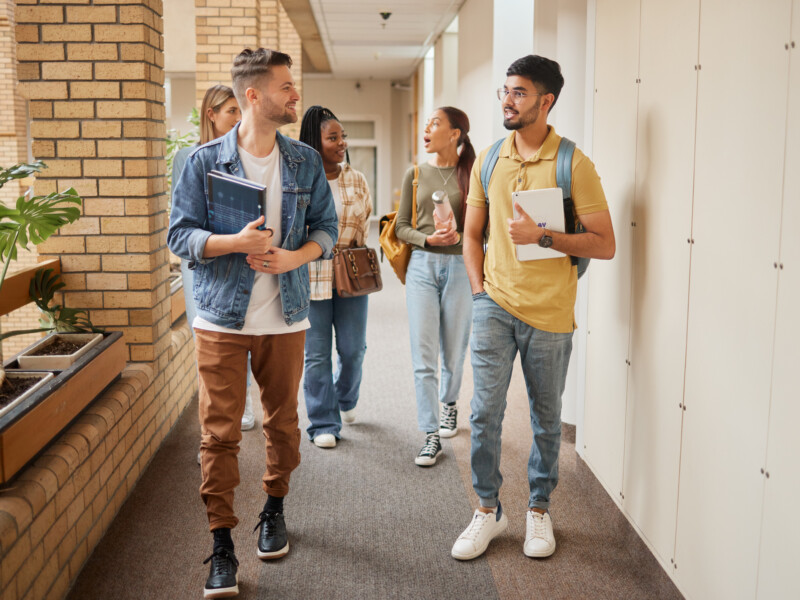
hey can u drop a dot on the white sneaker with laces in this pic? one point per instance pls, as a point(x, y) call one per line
point(348, 416)
point(539, 539)
point(325, 440)
point(248, 417)
point(482, 530)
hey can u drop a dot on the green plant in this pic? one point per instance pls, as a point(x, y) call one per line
point(33, 219)
point(176, 142)
point(58, 318)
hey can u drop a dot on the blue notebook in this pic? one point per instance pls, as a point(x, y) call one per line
point(233, 202)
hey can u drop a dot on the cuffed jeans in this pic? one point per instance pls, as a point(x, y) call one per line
point(277, 367)
point(328, 393)
point(439, 316)
point(496, 338)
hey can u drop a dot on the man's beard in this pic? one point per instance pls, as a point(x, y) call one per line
point(530, 117)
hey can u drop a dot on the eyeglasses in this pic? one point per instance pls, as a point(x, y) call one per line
point(516, 95)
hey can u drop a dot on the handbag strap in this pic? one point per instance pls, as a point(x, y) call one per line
point(415, 185)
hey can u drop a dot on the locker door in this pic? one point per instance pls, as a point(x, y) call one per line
point(741, 119)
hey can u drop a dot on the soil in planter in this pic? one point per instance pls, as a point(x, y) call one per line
point(13, 388)
point(59, 347)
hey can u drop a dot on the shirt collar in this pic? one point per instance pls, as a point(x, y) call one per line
point(547, 151)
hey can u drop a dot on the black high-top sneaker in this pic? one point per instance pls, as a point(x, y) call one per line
point(272, 540)
point(222, 581)
point(447, 426)
point(430, 451)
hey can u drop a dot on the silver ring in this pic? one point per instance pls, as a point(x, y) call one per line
point(265, 264)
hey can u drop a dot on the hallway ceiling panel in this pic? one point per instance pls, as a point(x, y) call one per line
point(360, 44)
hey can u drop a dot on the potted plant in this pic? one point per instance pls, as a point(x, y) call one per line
point(72, 333)
point(32, 220)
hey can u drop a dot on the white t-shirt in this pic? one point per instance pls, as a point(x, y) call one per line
point(264, 312)
point(338, 201)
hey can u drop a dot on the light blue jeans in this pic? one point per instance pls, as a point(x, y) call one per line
point(191, 311)
point(439, 317)
point(496, 338)
point(327, 392)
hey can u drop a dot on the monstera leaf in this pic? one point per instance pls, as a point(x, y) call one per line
point(36, 219)
point(60, 319)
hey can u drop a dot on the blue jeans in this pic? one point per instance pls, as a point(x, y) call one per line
point(328, 393)
point(496, 338)
point(191, 309)
point(439, 316)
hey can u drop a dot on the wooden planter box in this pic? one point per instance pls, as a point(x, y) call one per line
point(177, 299)
point(31, 424)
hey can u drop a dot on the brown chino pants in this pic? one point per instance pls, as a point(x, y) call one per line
point(277, 363)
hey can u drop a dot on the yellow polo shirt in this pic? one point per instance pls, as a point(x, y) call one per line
point(540, 293)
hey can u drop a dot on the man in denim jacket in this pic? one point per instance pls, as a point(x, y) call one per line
point(252, 294)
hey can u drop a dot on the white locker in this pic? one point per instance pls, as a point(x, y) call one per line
point(780, 552)
point(741, 117)
point(609, 284)
point(663, 218)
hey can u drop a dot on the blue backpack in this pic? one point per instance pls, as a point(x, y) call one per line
point(563, 179)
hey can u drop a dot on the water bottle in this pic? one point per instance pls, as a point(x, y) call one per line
point(443, 210)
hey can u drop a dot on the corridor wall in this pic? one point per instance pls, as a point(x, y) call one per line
point(691, 385)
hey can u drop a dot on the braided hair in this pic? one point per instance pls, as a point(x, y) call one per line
point(311, 127)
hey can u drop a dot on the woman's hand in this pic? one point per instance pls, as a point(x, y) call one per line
point(443, 237)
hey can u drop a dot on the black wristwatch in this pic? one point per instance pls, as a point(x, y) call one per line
point(545, 241)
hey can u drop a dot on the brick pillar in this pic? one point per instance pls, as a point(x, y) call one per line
point(13, 150)
point(289, 42)
point(94, 78)
point(223, 28)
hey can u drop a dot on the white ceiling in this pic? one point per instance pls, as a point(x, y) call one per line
point(360, 44)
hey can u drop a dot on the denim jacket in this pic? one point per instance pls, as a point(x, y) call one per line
point(222, 284)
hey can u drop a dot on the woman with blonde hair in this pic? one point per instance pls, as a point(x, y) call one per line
point(437, 288)
point(219, 113)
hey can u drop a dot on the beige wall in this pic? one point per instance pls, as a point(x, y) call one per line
point(373, 99)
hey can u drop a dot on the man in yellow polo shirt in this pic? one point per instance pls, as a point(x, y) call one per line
point(525, 307)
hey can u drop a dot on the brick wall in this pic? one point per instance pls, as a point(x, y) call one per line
point(13, 150)
point(93, 76)
point(225, 27)
point(92, 72)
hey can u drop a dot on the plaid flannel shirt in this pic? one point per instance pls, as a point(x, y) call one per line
point(353, 227)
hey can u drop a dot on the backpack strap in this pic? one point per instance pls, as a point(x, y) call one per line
point(566, 149)
point(487, 168)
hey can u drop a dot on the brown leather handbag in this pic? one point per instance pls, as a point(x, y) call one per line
point(356, 272)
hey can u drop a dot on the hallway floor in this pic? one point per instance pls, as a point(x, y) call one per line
point(364, 521)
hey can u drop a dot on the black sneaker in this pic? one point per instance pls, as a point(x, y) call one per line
point(222, 580)
point(430, 451)
point(272, 540)
point(447, 427)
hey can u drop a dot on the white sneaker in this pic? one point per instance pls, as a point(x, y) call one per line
point(482, 530)
point(248, 417)
point(348, 416)
point(539, 539)
point(325, 440)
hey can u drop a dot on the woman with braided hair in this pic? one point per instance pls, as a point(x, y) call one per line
point(331, 398)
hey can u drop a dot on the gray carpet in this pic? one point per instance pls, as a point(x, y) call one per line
point(364, 521)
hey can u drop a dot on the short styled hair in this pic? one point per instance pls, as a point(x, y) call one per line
point(251, 65)
point(544, 73)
